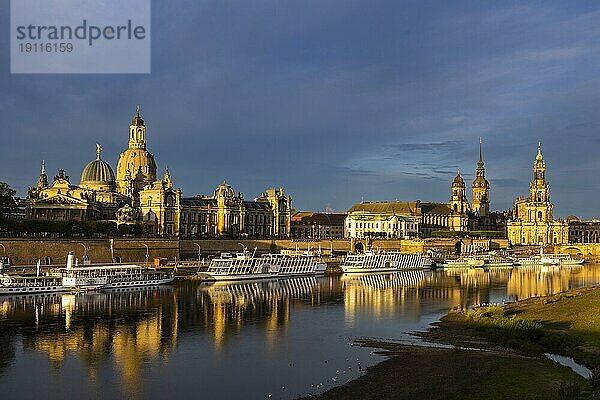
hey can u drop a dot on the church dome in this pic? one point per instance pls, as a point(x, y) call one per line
point(98, 175)
point(224, 190)
point(458, 181)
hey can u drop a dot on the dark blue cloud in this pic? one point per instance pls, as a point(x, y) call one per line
point(334, 100)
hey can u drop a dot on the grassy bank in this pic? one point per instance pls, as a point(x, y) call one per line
point(512, 366)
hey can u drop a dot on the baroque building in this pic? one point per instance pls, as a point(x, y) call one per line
point(456, 215)
point(316, 225)
point(135, 195)
point(226, 213)
point(136, 167)
point(532, 222)
point(390, 220)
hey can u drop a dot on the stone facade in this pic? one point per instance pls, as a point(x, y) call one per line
point(226, 213)
point(456, 215)
point(583, 231)
point(313, 225)
point(532, 222)
point(135, 195)
point(136, 167)
point(392, 220)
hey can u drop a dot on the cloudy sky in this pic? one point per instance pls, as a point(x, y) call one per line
point(336, 101)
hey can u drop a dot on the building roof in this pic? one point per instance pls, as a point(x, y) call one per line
point(257, 205)
point(386, 207)
point(98, 172)
point(435, 208)
point(309, 217)
point(198, 202)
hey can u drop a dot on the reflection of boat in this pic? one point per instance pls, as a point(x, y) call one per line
point(383, 262)
point(260, 289)
point(111, 276)
point(246, 266)
point(384, 280)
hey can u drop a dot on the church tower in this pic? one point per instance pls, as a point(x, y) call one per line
point(539, 191)
point(43, 179)
point(136, 167)
point(532, 222)
point(481, 188)
point(459, 205)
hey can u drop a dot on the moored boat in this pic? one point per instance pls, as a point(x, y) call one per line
point(246, 266)
point(111, 276)
point(383, 262)
point(25, 284)
point(549, 259)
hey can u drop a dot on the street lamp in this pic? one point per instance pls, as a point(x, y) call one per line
point(84, 249)
point(147, 252)
point(243, 247)
point(198, 250)
point(3, 249)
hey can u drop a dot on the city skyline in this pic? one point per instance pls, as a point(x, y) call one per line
point(340, 105)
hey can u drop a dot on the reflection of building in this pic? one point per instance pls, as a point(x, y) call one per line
point(85, 325)
point(526, 282)
point(313, 225)
point(532, 222)
point(135, 194)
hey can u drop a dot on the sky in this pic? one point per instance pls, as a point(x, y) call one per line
point(336, 101)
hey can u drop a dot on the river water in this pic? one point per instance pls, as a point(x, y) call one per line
point(252, 340)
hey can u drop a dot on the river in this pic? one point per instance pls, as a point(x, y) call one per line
point(253, 340)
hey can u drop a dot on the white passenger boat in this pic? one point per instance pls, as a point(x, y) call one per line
point(383, 262)
point(84, 278)
point(247, 266)
point(480, 261)
point(549, 259)
point(25, 284)
point(495, 261)
point(111, 276)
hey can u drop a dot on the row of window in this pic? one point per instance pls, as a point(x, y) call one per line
point(384, 225)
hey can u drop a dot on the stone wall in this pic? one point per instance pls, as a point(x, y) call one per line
point(54, 252)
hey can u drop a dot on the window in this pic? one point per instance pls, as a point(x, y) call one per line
point(149, 201)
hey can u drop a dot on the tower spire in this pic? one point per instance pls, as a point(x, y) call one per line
point(98, 151)
point(43, 172)
point(480, 152)
point(137, 110)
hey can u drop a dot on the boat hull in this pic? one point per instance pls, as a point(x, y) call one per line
point(10, 290)
point(207, 276)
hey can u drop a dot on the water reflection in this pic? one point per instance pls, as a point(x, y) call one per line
point(129, 343)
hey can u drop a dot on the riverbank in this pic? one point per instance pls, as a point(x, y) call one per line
point(495, 353)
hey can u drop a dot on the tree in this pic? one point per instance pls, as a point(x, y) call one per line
point(7, 199)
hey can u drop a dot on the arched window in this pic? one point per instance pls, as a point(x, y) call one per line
point(149, 201)
point(539, 215)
